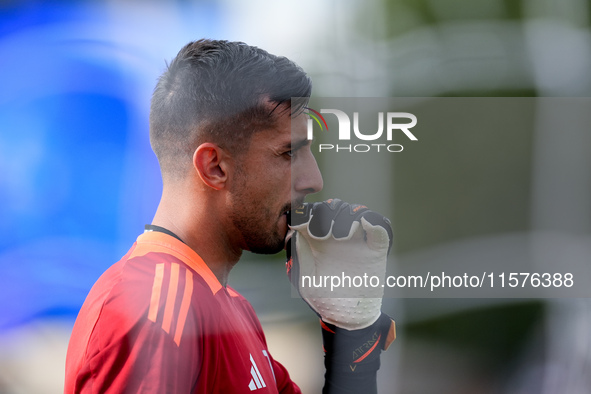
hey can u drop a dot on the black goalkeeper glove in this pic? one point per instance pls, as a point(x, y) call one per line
point(334, 239)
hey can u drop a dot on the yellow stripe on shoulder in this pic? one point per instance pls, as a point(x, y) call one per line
point(156, 290)
point(171, 298)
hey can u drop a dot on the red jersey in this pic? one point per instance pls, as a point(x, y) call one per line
point(159, 321)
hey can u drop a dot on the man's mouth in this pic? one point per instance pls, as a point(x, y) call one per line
point(287, 210)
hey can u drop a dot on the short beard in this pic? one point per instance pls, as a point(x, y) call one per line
point(266, 242)
point(244, 218)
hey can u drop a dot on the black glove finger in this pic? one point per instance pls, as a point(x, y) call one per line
point(299, 215)
point(344, 219)
point(323, 214)
point(338, 216)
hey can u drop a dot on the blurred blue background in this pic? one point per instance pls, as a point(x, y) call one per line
point(78, 179)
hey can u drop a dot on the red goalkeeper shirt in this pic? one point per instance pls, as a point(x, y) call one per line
point(159, 321)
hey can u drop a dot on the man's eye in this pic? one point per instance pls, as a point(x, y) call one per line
point(290, 153)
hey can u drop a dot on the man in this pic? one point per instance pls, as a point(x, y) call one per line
point(163, 320)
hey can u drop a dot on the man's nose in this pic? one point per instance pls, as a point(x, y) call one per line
point(306, 176)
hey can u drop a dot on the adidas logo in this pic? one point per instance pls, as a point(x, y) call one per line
point(257, 381)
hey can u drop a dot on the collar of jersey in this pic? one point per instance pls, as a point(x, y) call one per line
point(157, 242)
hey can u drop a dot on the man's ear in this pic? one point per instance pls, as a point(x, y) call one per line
point(212, 164)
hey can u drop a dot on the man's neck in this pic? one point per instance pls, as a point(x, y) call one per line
point(201, 233)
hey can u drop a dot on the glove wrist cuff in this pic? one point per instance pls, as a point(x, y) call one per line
point(353, 349)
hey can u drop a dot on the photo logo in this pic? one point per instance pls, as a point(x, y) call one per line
point(394, 123)
point(316, 116)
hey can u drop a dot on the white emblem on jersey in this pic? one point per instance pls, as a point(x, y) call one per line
point(257, 381)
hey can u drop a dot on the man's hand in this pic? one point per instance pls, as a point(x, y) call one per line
point(339, 243)
point(333, 239)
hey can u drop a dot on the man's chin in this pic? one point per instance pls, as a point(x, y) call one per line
point(271, 245)
point(268, 249)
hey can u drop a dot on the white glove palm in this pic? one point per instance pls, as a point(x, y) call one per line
point(342, 245)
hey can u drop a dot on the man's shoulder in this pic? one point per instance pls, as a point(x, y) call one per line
point(144, 287)
point(151, 277)
point(155, 249)
point(149, 272)
point(144, 301)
